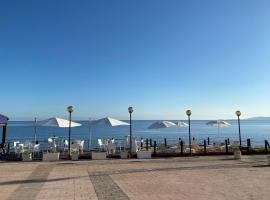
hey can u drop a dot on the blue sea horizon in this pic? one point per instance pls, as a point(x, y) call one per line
point(256, 130)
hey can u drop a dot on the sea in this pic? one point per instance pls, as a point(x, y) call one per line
point(256, 130)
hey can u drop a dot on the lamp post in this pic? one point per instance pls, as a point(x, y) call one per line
point(188, 112)
point(130, 110)
point(238, 113)
point(70, 110)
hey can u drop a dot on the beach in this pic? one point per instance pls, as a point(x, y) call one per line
point(208, 177)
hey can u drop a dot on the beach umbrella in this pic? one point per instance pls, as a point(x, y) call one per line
point(182, 124)
point(108, 121)
point(58, 122)
point(218, 123)
point(161, 124)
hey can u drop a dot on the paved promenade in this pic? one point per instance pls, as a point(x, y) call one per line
point(174, 178)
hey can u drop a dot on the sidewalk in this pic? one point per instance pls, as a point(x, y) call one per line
point(217, 177)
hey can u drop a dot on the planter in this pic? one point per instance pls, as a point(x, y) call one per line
point(27, 156)
point(75, 156)
point(144, 154)
point(99, 155)
point(124, 154)
point(50, 156)
point(268, 159)
point(237, 155)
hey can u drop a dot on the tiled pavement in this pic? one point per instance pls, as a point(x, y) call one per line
point(175, 178)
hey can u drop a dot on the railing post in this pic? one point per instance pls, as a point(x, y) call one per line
point(248, 144)
point(266, 144)
point(155, 147)
point(226, 143)
point(151, 142)
point(204, 146)
point(208, 141)
point(182, 146)
point(146, 144)
point(165, 142)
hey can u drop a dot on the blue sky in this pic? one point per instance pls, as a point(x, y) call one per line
point(161, 57)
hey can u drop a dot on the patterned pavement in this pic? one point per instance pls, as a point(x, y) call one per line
point(175, 178)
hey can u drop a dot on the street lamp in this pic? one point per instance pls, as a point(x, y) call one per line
point(70, 110)
point(238, 113)
point(188, 112)
point(130, 110)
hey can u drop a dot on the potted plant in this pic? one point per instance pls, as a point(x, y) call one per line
point(144, 154)
point(237, 154)
point(50, 156)
point(99, 154)
point(27, 156)
point(124, 154)
point(74, 154)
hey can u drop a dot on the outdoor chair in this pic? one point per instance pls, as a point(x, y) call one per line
point(102, 145)
point(111, 148)
point(19, 148)
point(81, 145)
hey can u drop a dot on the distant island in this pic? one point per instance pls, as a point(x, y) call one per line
point(258, 118)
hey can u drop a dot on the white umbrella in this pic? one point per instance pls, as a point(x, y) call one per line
point(109, 122)
point(58, 122)
point(161, 124)
point(218, 124)
point(182, 124)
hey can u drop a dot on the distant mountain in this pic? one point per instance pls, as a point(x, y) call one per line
point(259, 118)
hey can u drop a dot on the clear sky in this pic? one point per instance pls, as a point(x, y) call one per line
point(162, 57)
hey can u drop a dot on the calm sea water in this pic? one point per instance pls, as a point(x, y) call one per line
point(257, 131)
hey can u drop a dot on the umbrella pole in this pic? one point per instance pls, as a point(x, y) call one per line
point(35, 129)
point(90, 139)
point(218, 130)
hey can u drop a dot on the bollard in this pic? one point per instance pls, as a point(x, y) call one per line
point(151, 143)
point(155, 147)
point(204, 146)
point(266, 144)
point(182, 146)
point(248, 144)
point(226, 143)
point(141, 143)
point(146, 144)
point(165, 142)
point(208, 141)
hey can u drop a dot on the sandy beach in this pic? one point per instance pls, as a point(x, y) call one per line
point(175, 178)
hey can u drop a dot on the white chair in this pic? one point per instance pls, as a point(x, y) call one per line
point(127, 144)
point(81, 145)
point(65, 143)
point(36, 148)
point(19, 148)
point(51, 141)
point(137, 145)
point(101, 144)
point(111, 148)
